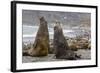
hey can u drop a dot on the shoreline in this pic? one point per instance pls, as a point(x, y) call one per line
point(85, 55)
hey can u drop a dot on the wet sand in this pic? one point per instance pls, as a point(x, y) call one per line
point(85, 55)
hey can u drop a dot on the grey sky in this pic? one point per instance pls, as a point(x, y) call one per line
point(31, 17)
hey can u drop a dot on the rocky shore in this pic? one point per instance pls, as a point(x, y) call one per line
point(80, 46)
point(57, 49)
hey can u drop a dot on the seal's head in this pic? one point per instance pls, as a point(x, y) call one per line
point(57, 25)
point(42, 19)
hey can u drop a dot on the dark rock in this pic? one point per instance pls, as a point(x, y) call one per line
point(25, 53)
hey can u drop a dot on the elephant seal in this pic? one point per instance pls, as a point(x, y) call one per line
point(60, 44)
point(41, 43)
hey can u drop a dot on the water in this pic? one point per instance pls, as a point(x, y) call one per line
point(29, 33)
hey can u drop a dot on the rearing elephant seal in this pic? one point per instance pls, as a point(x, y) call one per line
point(41, 44)
point(61, 45)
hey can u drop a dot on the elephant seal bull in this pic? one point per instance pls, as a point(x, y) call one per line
point(41, 43)
point(60, 44)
